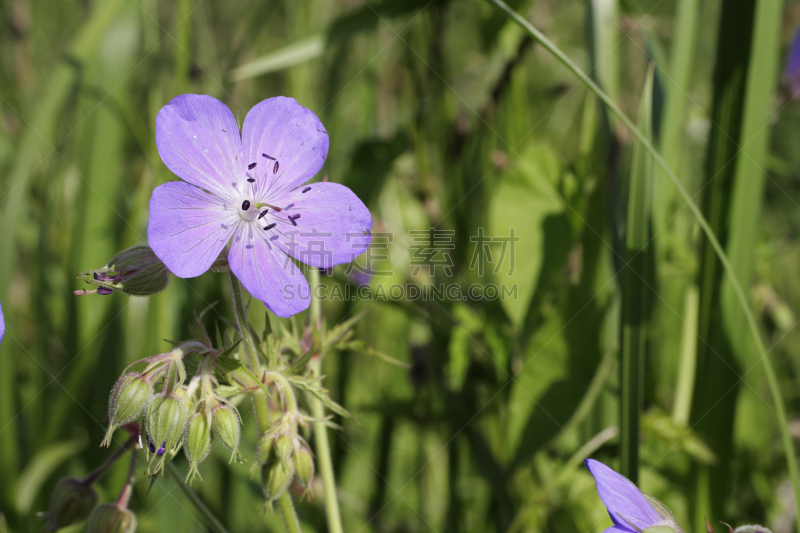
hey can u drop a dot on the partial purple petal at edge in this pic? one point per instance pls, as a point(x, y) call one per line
point(2, 324)
point(622, 498)
point(267, 273)
point(188, 227)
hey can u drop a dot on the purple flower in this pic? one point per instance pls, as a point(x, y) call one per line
point(250, 190)
point(629, 508)
point(791, 75)
point(2, 325)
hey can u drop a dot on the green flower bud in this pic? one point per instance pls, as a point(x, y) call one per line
point(71, 502)
point(304, 465)
point(136, 271)
point(110, 518)
point(198, 442)
point(166, 421)
point(264, 447)
point(227, 428)
point(279, 477)
point(128, 400)
point(283, 447)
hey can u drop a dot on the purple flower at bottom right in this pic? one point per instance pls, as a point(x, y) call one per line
point(633, 511)
point(630, 509)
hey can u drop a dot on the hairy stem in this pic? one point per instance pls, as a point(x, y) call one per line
point(240, 312)
point(290, 521)
point(212, 521)
point(101, 470)
point(320, 429)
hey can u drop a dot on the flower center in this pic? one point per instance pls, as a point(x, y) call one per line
point(247, 212)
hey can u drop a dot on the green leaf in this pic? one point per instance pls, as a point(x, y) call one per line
point(524, 200)
point(300, 364)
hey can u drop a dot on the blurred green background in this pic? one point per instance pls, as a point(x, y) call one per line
point(441, 114)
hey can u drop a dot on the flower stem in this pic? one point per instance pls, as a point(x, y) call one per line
point(320, 429)
point(290, 520)
point(101, 470)
point(260, 405)
point(212, 521)
point(240, 312)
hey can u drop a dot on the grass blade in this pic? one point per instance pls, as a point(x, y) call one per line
point(634, 290)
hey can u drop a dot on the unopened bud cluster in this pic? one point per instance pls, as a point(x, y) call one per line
point(283, 455)
point(175, 413)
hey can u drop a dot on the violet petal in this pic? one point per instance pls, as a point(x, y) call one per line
point(198, 140)
point(2, 324)
point(335, 226)
point(188, 227)
point(290, 133)
point(267, 273)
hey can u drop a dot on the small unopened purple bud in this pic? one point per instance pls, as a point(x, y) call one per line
point(71, 502)
point(111, 518)
point(136, 271)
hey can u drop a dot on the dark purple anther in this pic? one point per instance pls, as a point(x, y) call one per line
point(275, 168)
point(291, 219)
point(245, 205)
point(268, 157)
point(151, 445)
point(105, 291)
point(306, 190)
point(251, 180)
point(264, 212)
point(270, 226)
point(162, 449)
point(251, 166)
